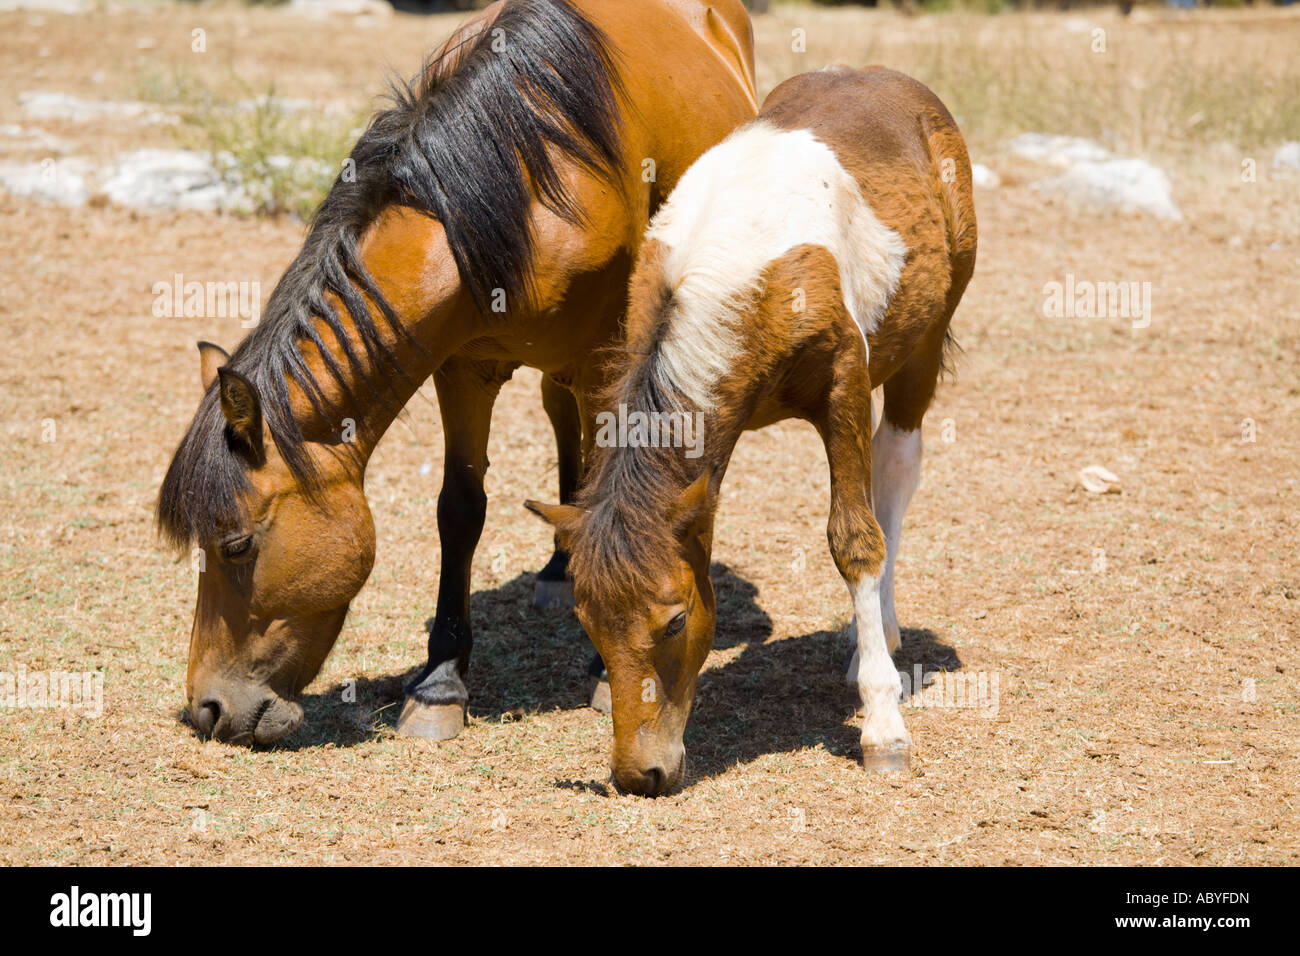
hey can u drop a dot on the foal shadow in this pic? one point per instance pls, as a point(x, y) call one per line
point(530, 661)
point(525, 661)
point(789, 695)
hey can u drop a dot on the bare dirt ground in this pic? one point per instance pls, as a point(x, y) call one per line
point(1144, 643)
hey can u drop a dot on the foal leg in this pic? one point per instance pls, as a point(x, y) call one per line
point(437, 698)
point(858, 547)
point(554, 590)
point(895, 476)
point(896, 457)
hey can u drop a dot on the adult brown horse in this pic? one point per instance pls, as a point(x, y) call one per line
point(816, 253)
point(492, 222)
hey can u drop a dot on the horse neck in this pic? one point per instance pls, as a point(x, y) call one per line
point(412, 266)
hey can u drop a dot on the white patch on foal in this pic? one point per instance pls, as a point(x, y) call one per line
point(749, 200)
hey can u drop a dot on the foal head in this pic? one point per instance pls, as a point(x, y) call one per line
point(279, 561)
point(643, 594)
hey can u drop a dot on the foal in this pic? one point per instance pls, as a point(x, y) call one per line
point(817, 252)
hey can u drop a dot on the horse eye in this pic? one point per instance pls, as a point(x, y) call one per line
point(238, 550)
point(675, 625)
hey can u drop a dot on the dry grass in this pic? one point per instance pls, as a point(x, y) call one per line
point(1156, 83)
point(1127, 728)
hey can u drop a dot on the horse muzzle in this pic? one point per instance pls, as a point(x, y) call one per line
point(239, 716)
point(648, 776)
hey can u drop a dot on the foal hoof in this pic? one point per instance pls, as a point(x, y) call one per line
point(431, 721)
point(891, 758)
point(600, 697)
point(553, 595)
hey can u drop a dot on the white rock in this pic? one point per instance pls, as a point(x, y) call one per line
point(324, 8)
point(148, 179)
point(1130, 185)
point(1063, 151)
point(169, 179)
point(1287, 156)
point(64, 181)
point(984, 177)
point(14, 138)
point(285, 104)
point(305, 165)
point(1099, 480)
point(52, 105)
point(46, 6)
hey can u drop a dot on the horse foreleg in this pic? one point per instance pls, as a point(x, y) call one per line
point(896, 456)
point(553, 590)
point(584, 405)
point(436, 700)
point(858, 546)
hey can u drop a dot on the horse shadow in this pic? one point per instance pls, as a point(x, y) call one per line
point(525, 661)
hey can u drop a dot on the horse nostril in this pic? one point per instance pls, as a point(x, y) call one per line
point(206, 715)
point(654, 777)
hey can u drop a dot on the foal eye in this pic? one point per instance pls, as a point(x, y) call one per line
point(238, 550)
point(675, 625)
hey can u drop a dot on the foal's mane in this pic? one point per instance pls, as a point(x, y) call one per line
point(623, 540)
point(470, 141)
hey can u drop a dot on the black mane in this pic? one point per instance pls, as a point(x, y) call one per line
point(470, 142)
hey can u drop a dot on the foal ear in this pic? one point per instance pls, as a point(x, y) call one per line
point(563, 518)
point(242, 408)
point(690, 506)
point(211, 358)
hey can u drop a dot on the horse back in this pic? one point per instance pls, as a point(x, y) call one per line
point(684, 86)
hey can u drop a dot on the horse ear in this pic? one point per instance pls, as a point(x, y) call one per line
point(563, 518)
point(242, 408)
point(691, 505)
point(211, 358)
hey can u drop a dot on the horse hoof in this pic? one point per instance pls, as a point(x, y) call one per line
point(431, 721)
point(553, 595)
point(600, 697)
point(888, 759)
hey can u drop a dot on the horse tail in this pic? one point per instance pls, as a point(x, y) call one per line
point(951, 176)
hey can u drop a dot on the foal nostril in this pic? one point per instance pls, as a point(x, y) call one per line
point(206, 715)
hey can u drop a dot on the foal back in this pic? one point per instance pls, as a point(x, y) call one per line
point(902, 146)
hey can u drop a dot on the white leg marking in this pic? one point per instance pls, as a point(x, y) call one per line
point(883, 731)
point(851, 675)
point(895, 475)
